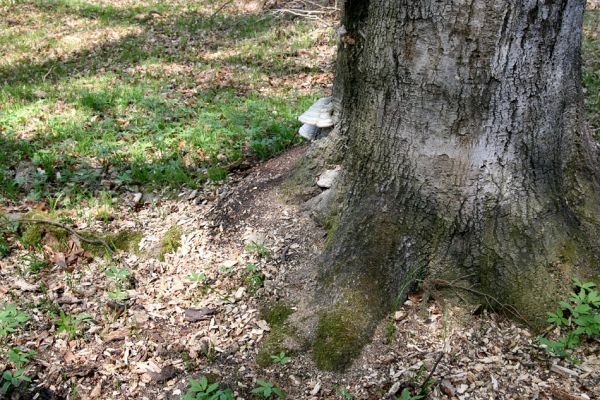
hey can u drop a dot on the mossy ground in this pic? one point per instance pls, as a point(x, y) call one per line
point(277, 313)
point(341, 334)
point(281, 333)
point(34, 235)
point(170, 242)
point(124, 240)
point(343, 330)
point(274, 343)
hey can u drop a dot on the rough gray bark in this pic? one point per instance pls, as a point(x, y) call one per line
point(466, 154)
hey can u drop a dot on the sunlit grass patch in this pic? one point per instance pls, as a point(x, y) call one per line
point(148, 93)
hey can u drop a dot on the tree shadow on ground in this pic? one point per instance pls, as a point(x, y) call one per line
point(158, 39)
point(248, 130)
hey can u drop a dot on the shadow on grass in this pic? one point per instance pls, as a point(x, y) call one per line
point(177, 140)
point(158, 39)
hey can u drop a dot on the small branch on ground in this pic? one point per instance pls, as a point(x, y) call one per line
point(491, 300)
point(307, 9)
point(218, 10)
point(427, 380)
point(62, 226)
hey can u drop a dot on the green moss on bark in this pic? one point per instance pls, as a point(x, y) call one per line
point(342, 332)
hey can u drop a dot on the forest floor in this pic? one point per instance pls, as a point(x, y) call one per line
point(148, 125)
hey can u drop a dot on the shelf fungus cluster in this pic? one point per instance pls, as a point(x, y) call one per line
point(319, 115)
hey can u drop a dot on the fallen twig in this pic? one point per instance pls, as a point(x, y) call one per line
point(513, 311)
point(62, 226)
point(319, 5)
point(218, 10)
point(428, 379)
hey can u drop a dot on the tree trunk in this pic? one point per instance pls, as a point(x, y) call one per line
point(465, 156)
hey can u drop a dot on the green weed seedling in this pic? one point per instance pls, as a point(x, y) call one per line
point(258, 249)
point(406, 395)
point(117, 295)
point(280, 358)
point(579, 316)
point(344, 393)
point(253, 278)
point(196, 277)
point(266, 390)
point(199, 278)
point(120, 274)
point(11, 318)
point(19, 357)
point(72, 324)
point(202, 389)
point(13, 378)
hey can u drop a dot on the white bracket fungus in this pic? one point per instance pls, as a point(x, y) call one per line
point(319, 115)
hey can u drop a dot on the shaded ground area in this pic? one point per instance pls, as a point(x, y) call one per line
point(136, 124)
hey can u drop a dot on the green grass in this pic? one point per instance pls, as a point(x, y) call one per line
point(158, 95)
point(591, 69)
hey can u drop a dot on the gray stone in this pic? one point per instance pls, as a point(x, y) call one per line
point(25, 175)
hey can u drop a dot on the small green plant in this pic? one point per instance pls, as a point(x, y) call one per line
point(19, 357)
point(266, 390)
point(280, 358)
point(117, 295)
point(407, 395)
point(196, 277)
point(344, 393)
point(225, 269)
point(13, 378)
point(54, 202)
point(4, 246)
point(253, 278)
point(121, 277)
point(11, 318)
point(390, 331)
point(258, 249)
point(37, 264)
point(72, 324)
point(120, 274)
point(579, 316)
point(202, 389)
